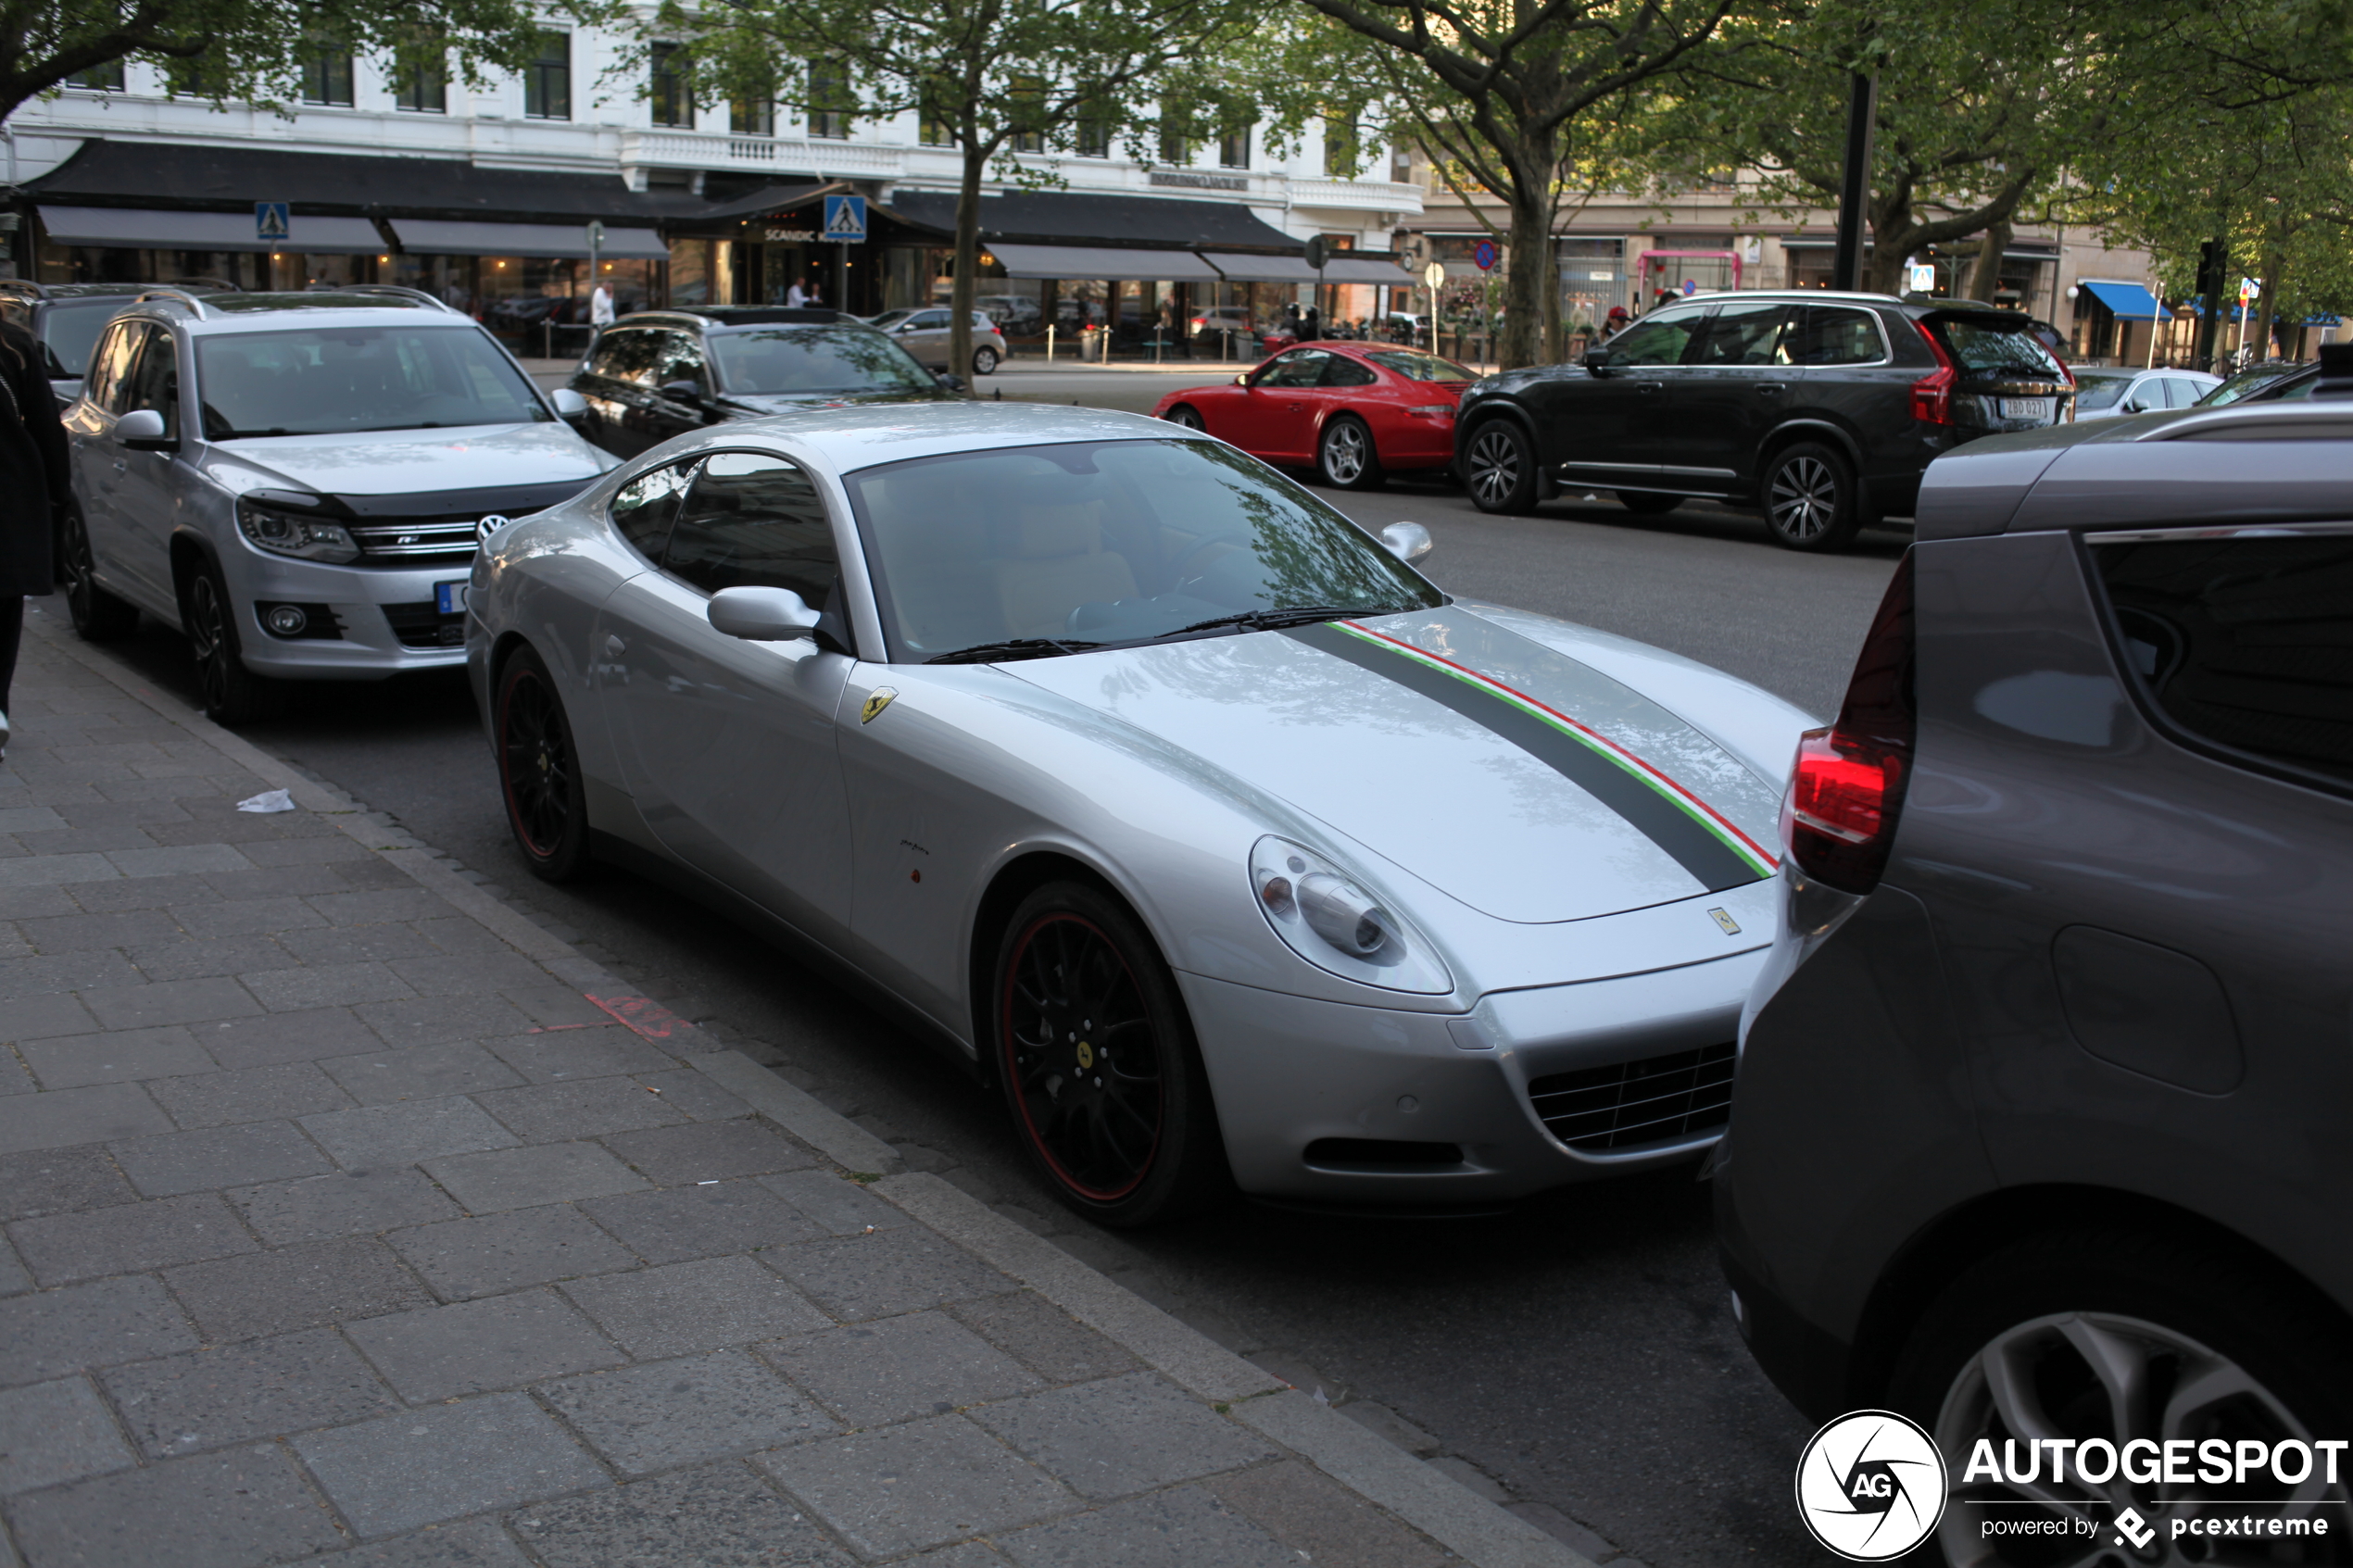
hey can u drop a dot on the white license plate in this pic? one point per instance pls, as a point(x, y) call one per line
point(2026, 407)
point(449, 598)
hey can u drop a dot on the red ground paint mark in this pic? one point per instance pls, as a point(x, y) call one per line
point(644, 1015)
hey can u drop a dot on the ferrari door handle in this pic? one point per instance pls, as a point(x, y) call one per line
point(614, 646)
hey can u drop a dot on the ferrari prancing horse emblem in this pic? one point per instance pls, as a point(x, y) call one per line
point(876, 702)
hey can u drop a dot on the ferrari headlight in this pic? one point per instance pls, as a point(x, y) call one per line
point(1332, 922)
point(283, 530)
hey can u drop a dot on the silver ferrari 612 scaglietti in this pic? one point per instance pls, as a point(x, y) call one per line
point(1194, 817)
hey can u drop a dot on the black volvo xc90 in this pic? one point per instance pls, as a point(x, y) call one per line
point(1820, 409)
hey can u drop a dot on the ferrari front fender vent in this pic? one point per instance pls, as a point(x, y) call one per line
point(1659, 1100)
point(1380, 1154)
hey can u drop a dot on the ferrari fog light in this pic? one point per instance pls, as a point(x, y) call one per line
point(1329, 917)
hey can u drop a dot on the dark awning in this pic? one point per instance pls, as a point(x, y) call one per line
point(1090, 261)
point(1261, 268)
point(770, 199)
point(441, 236)
point(1367, 270)
point(137, 228)
point(1113, 221)
point(166, 176)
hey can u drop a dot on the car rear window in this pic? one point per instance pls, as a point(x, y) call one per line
point(1978, 343)
point(2245, 642)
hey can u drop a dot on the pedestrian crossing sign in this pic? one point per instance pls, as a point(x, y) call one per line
point(269, 221)
point(845, 218)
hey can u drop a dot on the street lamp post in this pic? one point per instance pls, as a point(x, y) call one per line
point(1854, 188)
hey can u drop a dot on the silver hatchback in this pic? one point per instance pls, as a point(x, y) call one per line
point(297, 480)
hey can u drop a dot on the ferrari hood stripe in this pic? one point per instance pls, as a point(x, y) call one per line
point(1693, 833)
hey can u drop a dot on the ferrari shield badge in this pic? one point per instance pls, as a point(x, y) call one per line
point(875, 703)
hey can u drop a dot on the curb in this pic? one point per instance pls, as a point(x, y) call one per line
point(1480, 1532)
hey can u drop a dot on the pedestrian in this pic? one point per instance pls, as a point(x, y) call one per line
point(796, 296)
point(34, 493)
point(1311, 328)
point(600, 306)
point(1616, 324)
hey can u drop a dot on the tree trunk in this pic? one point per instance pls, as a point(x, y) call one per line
point(1531, 297)
point(2210, 323)
point(966, 286)
point(2274, 265)
point(1985, 280)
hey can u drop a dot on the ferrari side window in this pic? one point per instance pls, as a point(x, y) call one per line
point(754, 521)
point(645, 509)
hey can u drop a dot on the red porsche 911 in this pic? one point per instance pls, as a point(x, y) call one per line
point(1356, 411)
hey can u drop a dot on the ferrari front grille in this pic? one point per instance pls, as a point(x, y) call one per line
point(1660, 1100)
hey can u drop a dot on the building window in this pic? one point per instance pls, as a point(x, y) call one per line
point(547, 81)
point(421, 76)
point(829, 100)
point(1094, 130)
point(1028, 102)
point(1341, 154)
point(326, 75)
point(1176, 139)
point(670, 94)
point(752, 117)
point(200, 76)
point(1401, 166)
point(931, 120)
point(107, 78)
point(1233, 144)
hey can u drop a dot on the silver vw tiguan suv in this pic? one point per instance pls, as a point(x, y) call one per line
point(298, 480)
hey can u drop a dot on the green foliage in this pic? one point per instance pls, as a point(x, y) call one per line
point(256, 50)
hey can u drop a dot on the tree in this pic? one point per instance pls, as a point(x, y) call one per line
point(1509, 97)
point(993, 78)
point(255, 49)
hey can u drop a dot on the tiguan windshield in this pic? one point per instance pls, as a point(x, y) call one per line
point(330, 380)
point(857, 361)
point(1040, 550)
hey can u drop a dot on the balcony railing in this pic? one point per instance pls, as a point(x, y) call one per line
point(711, 149)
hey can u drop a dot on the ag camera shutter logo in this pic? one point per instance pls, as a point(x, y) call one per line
point(1870, 1485)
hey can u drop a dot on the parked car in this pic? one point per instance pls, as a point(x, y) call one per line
point(929, 334)
point(2108, 394)
point(65, 320)
point(1819, 410)
point(1016, 313)
point(660, 373)
point(1157, 792)
point(2038, 1133)
point(296, 480)
point(2271, 382)
point(1356, 411)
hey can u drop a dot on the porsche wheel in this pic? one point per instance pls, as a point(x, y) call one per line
point(1185, 415)
point(232, 694)
point(1499, 468)
point(1098, 1064)
point(539, 772)
point(1345, 456)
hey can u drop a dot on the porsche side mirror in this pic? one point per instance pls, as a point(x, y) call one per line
point(1597, 361)
point(761, 615)
point(1408, 542)
point(1242, 379)
point(142, 430)
point(568, 404)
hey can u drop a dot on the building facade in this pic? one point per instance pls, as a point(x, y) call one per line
point(487, 199)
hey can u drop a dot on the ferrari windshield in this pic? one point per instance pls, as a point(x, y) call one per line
point(1040, 550)
point(332, 380)
point(759, 361)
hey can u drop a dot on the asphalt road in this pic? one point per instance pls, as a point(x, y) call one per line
point(1580, 1351)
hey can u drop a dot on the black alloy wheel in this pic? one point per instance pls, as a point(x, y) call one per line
point(98, 615)
point(539, 772)
point(1811, 500)
point(984, 361)
point(1641, 503)
point(1499, 468)
point(1098, 1065)
point(1185, 415)
point(1346, 457)
point(232, 694)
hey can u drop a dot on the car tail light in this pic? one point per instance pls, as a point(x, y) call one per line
point(1847, 787)
point(1932, 393)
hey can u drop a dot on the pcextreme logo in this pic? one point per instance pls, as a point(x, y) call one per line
point(1870, 1485)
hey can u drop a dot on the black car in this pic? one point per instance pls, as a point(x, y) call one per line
point(660, 373)
point(1822, 409)
point(2274, 381)
point(2038, 1133)
point(65, 318)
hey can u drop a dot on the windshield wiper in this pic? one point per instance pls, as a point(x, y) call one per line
point(1274, 620)
point(1019, 647)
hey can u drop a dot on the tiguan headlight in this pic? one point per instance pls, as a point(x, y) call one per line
point(276, 522)
point(1333, 922)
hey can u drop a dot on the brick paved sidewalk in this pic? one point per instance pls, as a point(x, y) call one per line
point(350, 1216)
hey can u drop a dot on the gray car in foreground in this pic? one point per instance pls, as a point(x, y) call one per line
point(1157, 792)
point(2040, 1132)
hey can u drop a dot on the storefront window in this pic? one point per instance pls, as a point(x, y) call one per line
point(547, 81)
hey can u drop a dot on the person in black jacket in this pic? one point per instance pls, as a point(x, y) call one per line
point(33, 486)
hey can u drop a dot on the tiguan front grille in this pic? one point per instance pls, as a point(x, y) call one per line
point(1658, 1099)
point(407, 541)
